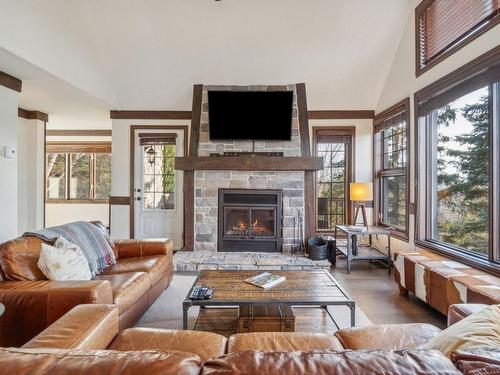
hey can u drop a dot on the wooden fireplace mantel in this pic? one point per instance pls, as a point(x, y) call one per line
point(249, 163)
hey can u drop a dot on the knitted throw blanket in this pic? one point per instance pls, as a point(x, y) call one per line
point(88, 237)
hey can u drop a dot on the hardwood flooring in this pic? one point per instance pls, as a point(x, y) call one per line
point(377, 295)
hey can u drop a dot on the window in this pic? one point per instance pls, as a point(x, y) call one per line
point(391, 168)
point(458, 168)
point(158, 151)
point(78, 172)
point(333, 207)
point(444, 26)
point(159, 177)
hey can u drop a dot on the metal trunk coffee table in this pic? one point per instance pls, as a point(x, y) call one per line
point(301, 288)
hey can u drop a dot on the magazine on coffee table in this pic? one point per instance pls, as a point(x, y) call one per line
point(265, 280)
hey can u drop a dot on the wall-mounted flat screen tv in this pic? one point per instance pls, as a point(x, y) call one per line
point(250, 115)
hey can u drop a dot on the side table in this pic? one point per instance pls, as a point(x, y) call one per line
point(365, 253)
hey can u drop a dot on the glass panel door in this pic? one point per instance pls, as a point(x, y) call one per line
point(236, 222)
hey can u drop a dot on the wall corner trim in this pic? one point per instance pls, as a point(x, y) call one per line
point(10, 82)
point(32, 115)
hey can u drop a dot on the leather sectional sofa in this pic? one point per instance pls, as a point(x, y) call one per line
point(442, 282)
point(87, 340)
point(144, 269)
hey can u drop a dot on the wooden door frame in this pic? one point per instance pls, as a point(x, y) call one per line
point(133, 129)
point(349, 131)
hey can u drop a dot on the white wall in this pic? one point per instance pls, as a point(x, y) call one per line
point(401, 83)
point(363, 166)
point(63, 213)
point(120, 170)
point(8, 167)
point(31, 179)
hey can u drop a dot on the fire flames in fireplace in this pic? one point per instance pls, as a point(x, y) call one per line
point(258, 228)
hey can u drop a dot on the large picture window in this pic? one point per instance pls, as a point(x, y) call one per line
point(444, 26)
point(458, 165)
point(391, 168)
point(334, 145)
point(78, 172)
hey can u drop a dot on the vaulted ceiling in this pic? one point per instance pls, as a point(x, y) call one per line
point(147, 54)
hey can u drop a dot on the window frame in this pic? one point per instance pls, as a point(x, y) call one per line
point(474, 33)
point(475, 68)
point(68, 149)
point(379, 171)
point(347, 131)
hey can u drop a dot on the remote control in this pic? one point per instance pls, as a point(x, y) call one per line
point(195, 292)
point(209, 294)
point(198, 292)
point(203, 291)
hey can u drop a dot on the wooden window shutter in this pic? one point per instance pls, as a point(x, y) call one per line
point(443, 25)
point(148, 139)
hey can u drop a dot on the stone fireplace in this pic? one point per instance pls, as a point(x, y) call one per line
point(215, 166)
point(208, 182)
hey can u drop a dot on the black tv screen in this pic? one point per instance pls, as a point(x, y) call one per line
point(250, 115)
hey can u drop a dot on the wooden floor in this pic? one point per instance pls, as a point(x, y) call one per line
point(377, 295)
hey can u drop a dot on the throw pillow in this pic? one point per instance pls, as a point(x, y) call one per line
point(481, 329)
point(63, 261)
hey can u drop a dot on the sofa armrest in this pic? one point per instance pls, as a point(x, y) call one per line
point(142, 248)
point(387, 336)
point(459, 311)
point(88, 327)
point(31, 306)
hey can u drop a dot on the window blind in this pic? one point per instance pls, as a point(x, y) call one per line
point(79, 147)
point(332, 138)
point(150, 139)
point(443, 24)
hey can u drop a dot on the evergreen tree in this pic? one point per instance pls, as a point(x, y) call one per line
point(464, 200)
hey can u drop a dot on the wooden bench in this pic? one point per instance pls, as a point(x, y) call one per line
point(441, 282)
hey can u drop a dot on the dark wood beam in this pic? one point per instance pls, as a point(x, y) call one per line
point(305, 145)
point(32, 115)
point(189, 174)
point(196, 120)
point(10, 82)
point(120, 200)
point(249, 163)
point(150, 115)
point(79, 133)
point(341, 114)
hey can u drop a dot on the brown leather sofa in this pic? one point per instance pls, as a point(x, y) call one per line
point(87, 340)
point(442, 282)
point(143, 270)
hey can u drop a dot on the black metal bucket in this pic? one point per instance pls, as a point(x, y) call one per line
point(318, 248)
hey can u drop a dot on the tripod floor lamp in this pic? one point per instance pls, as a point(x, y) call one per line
point(361, 192)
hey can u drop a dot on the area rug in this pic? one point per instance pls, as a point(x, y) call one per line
point(166, 312)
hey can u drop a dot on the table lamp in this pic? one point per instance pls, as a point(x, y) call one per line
point(361, 192)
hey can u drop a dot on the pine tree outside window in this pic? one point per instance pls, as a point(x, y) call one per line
point(458, 163)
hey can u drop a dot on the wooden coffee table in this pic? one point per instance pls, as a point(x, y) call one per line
point(301, 288)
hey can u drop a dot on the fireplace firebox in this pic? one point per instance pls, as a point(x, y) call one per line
point(249, 220)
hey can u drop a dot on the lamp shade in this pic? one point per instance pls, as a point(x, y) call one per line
point(361, 191)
